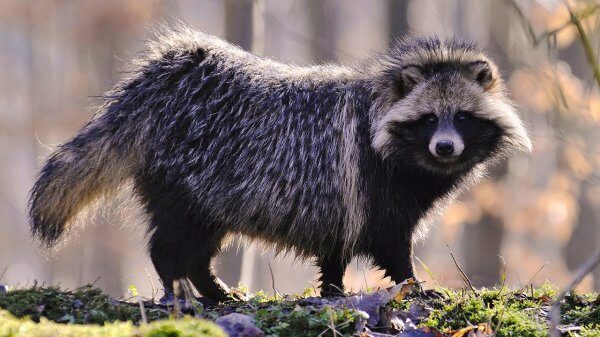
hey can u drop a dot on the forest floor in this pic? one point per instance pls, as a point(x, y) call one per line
point(399, 311)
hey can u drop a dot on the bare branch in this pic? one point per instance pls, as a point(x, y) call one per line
point(585, 41)
point(551, 34)
point(275, 292)
point(586, 268)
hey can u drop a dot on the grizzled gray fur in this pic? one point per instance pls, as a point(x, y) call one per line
point(330, 162)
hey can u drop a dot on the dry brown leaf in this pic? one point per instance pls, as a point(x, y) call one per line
point(432, 331)
point(481, 330)
point(546, 299)
point(597, 300)
point(407, 287)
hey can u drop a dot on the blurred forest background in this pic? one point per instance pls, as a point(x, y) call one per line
point(537, 217)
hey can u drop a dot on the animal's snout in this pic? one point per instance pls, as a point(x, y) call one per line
point(444, 148)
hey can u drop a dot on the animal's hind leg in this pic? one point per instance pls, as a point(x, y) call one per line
point(167, 260)
point(332, 273)
point(180, 247)
point(198, 268)
point(171, 241)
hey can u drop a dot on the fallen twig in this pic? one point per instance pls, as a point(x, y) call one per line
point(154, 290)
point(177, 295)
point(275, 292)
point(142, 310)
point(462, 273)
point(530, 282)
point(188, 292)
point(3, 273)
point(585, 269)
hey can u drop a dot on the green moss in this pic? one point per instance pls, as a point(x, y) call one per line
point(517, 313)
point(83, 305)
point(510, 313)
point(581, 310)
point(185, 327)
point(592, 330)
point(302, 322)
point(11, 326)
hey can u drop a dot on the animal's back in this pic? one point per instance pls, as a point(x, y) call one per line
point(248, 143)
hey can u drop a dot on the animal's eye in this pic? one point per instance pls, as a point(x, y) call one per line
point(461, 116)
point(431, 119)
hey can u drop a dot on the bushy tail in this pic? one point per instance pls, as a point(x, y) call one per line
point(88, 166)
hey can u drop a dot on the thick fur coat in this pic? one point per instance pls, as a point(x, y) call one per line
point(318, 160)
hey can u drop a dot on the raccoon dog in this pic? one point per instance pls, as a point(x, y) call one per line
point(330, 162)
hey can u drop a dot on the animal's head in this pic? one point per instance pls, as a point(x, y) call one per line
point(442, 106)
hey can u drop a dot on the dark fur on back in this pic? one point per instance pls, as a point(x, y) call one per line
point(220, 142)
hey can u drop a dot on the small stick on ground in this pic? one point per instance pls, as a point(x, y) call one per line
point(135, 295)
point(586, 268)
point(3, 273)
point(514, 293)
point(536, 273)
point(177, 296)
point(154, 290)
point(364, 272)
point(188, 292)
point(277, 294)
point(462, 273)
point(314, 288)
point(95, 281)
point(503, 276)
point(142, 310)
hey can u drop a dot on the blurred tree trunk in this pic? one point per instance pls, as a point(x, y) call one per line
point(238, 30)
point(322, 28)
point(585, 238)
point(104, 246)
point(482, 241)
point(322, 25)
point(397, 24)
point(396, 27)
point(238, 22)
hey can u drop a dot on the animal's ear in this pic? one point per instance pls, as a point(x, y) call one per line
point(482, 73)
point(408, 78)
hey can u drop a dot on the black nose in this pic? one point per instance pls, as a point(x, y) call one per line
point(444, 148)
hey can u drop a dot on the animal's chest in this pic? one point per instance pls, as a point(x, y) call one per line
point(398, 199)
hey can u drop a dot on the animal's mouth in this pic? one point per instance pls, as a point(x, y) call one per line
point(443, 165)
point(447, 165)
point(447, 160)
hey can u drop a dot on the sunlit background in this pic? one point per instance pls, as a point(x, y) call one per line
point(535, 219)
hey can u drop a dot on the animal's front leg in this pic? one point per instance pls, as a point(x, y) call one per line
point(395, 256)
point(332, 273)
